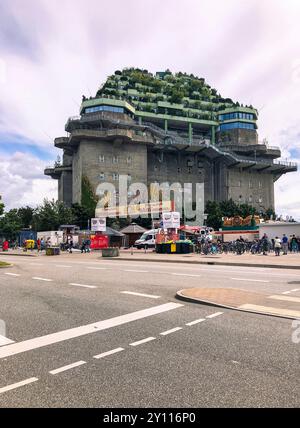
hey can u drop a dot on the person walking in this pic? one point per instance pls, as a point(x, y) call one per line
point(265, 244)
point(83, 246)
point(294, 244)
point(70, 245)
point(285, 244)
point(38, 244)
point(277, 246)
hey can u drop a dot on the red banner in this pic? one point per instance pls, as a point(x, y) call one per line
point(99, 241)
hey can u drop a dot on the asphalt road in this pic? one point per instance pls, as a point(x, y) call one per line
point(152, 350)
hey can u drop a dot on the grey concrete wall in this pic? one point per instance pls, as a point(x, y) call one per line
point(254, 188)
point(131, 160)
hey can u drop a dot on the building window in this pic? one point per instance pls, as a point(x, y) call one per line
point(190, 170)
point(115, 159)
point(250, 198)
point(250, 184)
point(102, 176)
point(155, 167)
point(260, 185)
point(239, 183)
point(115, 176)
point(179, 170)
point(104, 108)
point(260, 200)
point(236, 125)
point(129, 159)
point(189, 162)
point(101, 158)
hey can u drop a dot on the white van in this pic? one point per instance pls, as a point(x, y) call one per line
point(147, 240)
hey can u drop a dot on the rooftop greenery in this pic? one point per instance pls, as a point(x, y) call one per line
point(161, 92)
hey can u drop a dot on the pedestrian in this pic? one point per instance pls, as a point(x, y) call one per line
point(38, 244)
point(42, 244)
point(265, 244)
point(294, 244)
point(88, 243)
point(285, 244)
point(277, 246)
point(83, 246)
point(70, 245)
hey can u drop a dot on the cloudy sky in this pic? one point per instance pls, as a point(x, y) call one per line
point(54, 51)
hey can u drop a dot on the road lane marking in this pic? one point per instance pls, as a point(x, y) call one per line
point(196, 321)
point(69, 367)
point(138, 271)
point(63, 266)
point(12, 274)
point(83, 285)
point(96, 268)
point(151, 296)
point(286, 292)
point(285, 298)
point(184, 274)
point(295, 289)
point(36, 264)
point(5, 340)
point(18, 384)
point(105, 354)
point(267, 310)
point(216, 314)
point(140, 342)
point(248, 279)
point(49, 339)
point(164, 333)
point(41, 279)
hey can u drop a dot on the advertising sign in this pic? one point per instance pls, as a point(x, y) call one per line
point(171, 220)
point(136, 209)
point(98, 224)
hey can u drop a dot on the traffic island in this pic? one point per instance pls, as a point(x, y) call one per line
point(277, 305)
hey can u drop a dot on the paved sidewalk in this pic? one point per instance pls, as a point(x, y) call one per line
point(280, 305)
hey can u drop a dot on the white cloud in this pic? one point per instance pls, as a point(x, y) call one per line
point(22, 181)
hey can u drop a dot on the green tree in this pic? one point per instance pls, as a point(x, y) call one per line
point(88, 197)
point(51, 215)
point(214, 215)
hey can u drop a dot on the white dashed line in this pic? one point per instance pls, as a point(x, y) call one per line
point(12, 274)
point(18, 384)
point(96, 268)
point(63, 266)
point(140, 342)
point(184, 274)
point(69, 367)
point(105, 354)
point(214, 315)
point(83, 285)
point(164, 333)
point(295, 289)
point(137, 271)
point(151, 296)
point(250, 280)
point(195, 322)
point(41, 279)
point(286, 292)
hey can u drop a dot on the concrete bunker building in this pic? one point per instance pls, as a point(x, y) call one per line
point(167, 128)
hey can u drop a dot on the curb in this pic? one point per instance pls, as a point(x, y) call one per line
point(20, 255)
point(194, 262)
point(181, 296)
